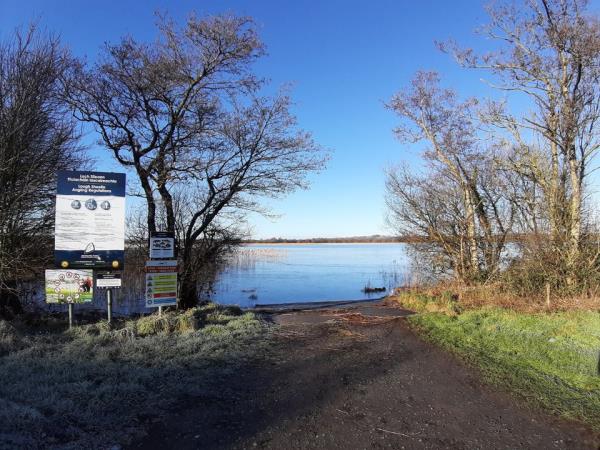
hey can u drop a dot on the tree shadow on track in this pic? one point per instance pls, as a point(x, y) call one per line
point(339, 384)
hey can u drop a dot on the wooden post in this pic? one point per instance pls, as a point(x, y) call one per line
point(548, 295)
point(70, 315)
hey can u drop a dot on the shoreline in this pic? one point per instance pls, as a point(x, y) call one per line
point(303, 306)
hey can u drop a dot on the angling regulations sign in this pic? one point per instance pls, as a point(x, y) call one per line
point(90, 220)
point(162, 245)
point(69, 286)
point(161, 283)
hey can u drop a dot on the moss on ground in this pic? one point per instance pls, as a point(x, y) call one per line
point(95, 385)
point(549, 359)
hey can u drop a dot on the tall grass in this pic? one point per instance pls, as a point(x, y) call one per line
point(246, 258)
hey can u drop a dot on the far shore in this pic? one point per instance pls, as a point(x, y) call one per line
point(314, 243)
point(376, 239)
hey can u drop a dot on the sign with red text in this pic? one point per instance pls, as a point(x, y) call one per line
point(161, 283)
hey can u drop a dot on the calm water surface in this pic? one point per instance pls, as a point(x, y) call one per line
point(271, 274)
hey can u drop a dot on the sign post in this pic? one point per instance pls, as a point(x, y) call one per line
point(107, 280)
point(108, 306)
point(69, 286)
point(161, 271)
point(89, 234)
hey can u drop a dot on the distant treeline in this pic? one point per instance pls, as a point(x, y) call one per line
point(376, 238)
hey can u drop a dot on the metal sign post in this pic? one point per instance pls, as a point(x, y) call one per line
point(109, 305)
point(69, 286)
point(161, 271)
point(108, 281)
point(89, 233)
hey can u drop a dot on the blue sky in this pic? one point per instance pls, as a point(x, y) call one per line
point(344, 58)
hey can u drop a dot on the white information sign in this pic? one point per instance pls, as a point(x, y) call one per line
point(162, 245)
point(108, 280)
point(90, 220)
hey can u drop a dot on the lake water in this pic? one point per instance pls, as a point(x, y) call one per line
point(274, 274)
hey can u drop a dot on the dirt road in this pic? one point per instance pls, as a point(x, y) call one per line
point(357, 378)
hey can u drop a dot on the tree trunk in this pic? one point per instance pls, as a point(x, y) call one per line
point(471, 234)
point(188, 294)
point(554, 203)
point(168, 203)
point(149, 194)
point(575, 225)
point(489, 252)
point(151, 213)
point(10, 305)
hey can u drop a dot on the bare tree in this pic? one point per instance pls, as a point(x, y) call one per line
point(37, 137)
point(429, 209)
point(207, 256)
point(185, 114)
point(460, 205)
point(550, 53)
point(149, 102)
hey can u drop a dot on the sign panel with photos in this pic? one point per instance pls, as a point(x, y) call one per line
point(69, 286)
point(162, 245)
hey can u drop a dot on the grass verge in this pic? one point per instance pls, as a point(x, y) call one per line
point(549, 359)
point(99, 385)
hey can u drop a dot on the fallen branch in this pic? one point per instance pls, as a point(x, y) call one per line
point(396, 433)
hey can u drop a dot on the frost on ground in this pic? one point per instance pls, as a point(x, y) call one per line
point(97, 385)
